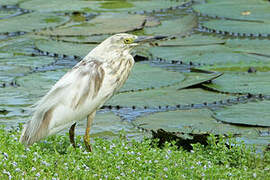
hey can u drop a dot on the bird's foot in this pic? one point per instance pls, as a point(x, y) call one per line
point(87, 143)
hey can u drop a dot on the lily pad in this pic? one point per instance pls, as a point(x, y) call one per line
point(103, 24)
point(190, 121)
point(258, 65)
point(202, 50)
point(246, 27)
point(254, 83)
point(250, 114)
point(31, 21)
point(179, 26)
point(165, 96)
point(9, 2)
point(193, 79)
point(243, 10)
point(64, 47)
point(254, 46)
point(144, 76)
point(37, 84)
point(59, 5)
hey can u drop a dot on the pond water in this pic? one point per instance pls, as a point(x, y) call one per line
point(211, 75)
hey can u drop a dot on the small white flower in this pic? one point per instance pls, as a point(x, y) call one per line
point(122, 174)
point(192, 167)
point(5, 154)
point(17, 170)
point(33, 169)
point(14, 164)
point(165, 169)
point(104, 148)
point(38, 174)
point(122, 162)
point(139, 153)
point(254, 175)
point(156, 161)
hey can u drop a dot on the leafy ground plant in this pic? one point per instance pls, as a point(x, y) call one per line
point(121, 158)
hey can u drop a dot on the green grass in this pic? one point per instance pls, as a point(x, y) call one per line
point(120, 158)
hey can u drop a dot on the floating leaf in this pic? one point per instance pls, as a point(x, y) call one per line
point(138, 6)
point(30, 22)
point(165, 96)
point(250, 114)
point(179, 26)
point(193, 79)
point(244, 10)
point(200, 49)
point(144, 76)
point(254, 83)
point(59, 5)
point(64, 47)
point(246, 27)
point(103, 24)
point(190, 121)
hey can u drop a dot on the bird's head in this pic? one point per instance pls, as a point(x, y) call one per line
point(120, 44)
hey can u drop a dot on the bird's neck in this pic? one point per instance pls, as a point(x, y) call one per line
point(107, 54)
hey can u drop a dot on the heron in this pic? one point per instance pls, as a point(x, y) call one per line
point(83, 90)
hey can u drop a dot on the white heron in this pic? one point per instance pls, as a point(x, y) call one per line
point(83, 90)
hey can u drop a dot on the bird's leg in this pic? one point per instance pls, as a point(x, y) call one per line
point(86, 137)
point(71, 135)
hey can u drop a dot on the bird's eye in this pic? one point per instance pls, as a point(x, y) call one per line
point(128, 41)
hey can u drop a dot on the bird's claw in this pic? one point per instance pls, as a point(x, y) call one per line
point(87, 144)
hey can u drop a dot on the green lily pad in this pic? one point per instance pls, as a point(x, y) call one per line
point(200, 50)
point(190, 121)
point(83, 39)
point(259, 65)
point(37, 84)
point(144, 76)
point(59, 5)
point(64, 47)
point(254, 83)
point(9, 2)
point(102, 24)
point(250, 114)
point(260, 47)
point(239, 26)
point(179, 26)
point(137, 6)
point(193, 79)
point(255, 10)
point(30, 22)
point(166, 96)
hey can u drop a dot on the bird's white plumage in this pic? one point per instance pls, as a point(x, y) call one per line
point(82, 90)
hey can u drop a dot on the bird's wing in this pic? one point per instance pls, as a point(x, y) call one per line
point(82, 82)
